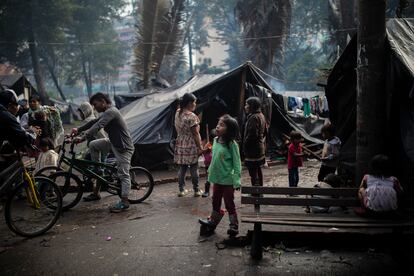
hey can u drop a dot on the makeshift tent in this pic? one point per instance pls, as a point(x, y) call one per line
point(151, 119)
point(18, 83)
point(123, 99)
point(341, 93)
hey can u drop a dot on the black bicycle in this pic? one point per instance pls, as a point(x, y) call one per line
point(142, 182)
point(33, 203)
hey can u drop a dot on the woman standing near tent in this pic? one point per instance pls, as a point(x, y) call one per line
point(254, 140)
point(188, 144)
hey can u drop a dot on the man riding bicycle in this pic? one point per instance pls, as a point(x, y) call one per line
point(119, 142)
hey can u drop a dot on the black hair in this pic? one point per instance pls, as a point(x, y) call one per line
point(212, 135)
point(254, 104)
point(46, 142)
point(34, 97)
point(40, 115)
point(334, 180)
point(328, 128)
point(100, 97)
point(186, 99)
point(232, 129)
point(7, 97)
point(295, 135)
point(380, 166)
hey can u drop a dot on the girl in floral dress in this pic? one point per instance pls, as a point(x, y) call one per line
point(188, 143)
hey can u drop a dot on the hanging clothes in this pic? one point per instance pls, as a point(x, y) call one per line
point(292, 103)
point(306, 107)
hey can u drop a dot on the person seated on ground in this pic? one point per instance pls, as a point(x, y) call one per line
point(330, 152)
point(379, 190)
point(47, 156)
point(330, 181)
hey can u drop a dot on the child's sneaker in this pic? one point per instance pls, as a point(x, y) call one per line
point(205, 194)
point(182, 193)
point(119, 207)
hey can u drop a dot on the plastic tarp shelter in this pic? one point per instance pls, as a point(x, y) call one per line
point(341, 92)
point(151, 118)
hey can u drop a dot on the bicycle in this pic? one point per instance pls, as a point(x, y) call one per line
point(142, 182)
point(33, 205)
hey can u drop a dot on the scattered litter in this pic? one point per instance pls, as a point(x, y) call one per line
point(93, 226)
point(297, 253)
point(207, 265)
point(58, 225)
point(108, 238)
point(92, 253)
point(125, 253)
point(101, 257)
point(333, 229)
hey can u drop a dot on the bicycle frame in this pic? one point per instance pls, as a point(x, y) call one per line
point(83, 165)
point(18, 169)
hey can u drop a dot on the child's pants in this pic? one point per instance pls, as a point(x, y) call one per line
point(293, 177)
point(227, 193)
point(194, 176)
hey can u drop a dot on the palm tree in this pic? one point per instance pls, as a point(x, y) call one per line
point(265, 25)
point(158, 36)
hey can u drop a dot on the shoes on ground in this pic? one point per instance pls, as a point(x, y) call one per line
point(182, 193)
point(92, 197)
point(119, 207)
point(198, 193)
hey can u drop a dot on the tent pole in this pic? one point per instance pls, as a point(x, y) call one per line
point(242, 96)
point(371, 98)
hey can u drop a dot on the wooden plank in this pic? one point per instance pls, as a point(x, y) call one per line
point(300, 201)
point(329, 224)
point(317, 218)
point(350, 192)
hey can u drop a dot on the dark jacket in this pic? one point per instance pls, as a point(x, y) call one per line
point(11, 130)
point(254, 137)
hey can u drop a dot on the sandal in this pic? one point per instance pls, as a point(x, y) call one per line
point(92, 197)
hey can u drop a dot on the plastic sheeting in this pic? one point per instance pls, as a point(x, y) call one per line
point(341, 93)
point(151, 118)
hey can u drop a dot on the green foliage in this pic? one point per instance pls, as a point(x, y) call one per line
point(158, 36)
point(68, 35)
point(309, 50)
point(229, 31)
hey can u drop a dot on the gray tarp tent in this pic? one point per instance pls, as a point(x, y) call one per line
point(341, 94)
point(151, 118)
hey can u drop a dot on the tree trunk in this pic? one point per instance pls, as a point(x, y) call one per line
point(56, 81)
point(49, 52)
point(371, 98)
point(37, 70)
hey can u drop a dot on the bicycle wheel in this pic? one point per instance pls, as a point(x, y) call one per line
point(70, 186)
point(47, 171)
point(142, 184)
point(23, 218)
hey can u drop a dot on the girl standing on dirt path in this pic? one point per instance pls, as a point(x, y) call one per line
point(225, 173)
point(188, 143)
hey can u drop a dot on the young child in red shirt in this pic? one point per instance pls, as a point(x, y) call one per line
point(294, 158)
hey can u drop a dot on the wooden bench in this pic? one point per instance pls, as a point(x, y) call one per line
point(333, 197)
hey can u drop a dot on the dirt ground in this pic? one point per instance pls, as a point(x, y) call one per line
point(161, 236)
